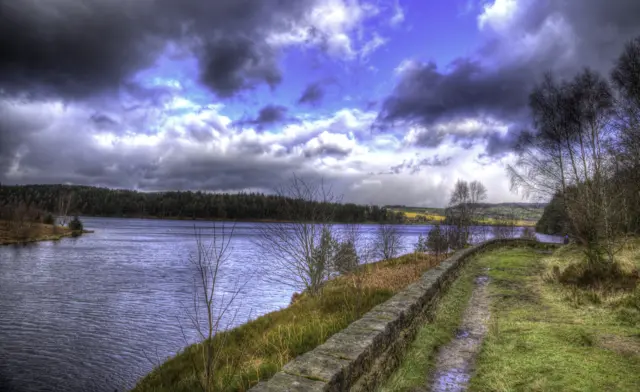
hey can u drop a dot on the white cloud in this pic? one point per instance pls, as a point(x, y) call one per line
point(372, 45)
point(198, 150)
point(406, 65)
point(335, 25)
point(498, 15)
point(398, 14)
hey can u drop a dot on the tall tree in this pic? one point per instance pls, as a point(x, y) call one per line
point(569, 154)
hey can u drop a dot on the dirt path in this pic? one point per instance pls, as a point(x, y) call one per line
point(454, 364)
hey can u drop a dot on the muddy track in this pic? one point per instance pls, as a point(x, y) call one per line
point(455, 361)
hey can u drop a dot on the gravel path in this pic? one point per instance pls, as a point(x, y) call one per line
point(455, 361)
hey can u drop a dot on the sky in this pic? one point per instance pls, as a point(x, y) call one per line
point(390, 101)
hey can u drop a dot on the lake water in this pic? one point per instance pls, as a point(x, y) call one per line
point(92, 313)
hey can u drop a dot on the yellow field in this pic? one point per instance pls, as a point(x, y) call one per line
point(411, 215)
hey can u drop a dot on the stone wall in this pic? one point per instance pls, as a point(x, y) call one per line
point(363, 355)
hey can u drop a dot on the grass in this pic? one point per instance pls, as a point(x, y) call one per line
point(420, 358)
point(545, 336)
point(36, 232)
point(258, 349)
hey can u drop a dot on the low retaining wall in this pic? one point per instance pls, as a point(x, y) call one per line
point(361, 356)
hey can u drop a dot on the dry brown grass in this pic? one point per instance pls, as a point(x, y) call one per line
point(394, 274)
point(568, 266)
point(262, 346)
point(11, 233)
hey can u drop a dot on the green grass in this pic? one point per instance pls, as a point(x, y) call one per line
point(420, 358)
point(257, 350)
point(547, 337)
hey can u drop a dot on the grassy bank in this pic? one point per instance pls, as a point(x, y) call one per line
point(34, 233)
point(258, 349)
point(420, 359)
point(545, 336)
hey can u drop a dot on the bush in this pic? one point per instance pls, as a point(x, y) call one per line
point(49, 219)
point(421, 245)
point(76, 225)
point(346, 258)
point(529, 234)
point(437, 240)
point(388, 242)
point(599, 276)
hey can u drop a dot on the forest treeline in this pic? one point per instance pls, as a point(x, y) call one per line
point(104, 202)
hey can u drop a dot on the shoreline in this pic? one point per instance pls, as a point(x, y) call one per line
point(528, 223)
point(44, 233)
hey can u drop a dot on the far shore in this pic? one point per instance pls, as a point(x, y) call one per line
point(37, 232)
point(521, 223)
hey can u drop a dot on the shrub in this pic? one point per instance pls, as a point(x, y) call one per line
point(529, 234)
point(388, 242)
point(437, 240)
point(421, 245)
point(76, 225)
point(346, 258)
point(599, 276)
point(48, 219)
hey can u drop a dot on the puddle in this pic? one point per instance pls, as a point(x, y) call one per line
point(454, 364)
point(453, 380)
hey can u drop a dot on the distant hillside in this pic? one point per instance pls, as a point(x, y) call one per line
point(528, 213)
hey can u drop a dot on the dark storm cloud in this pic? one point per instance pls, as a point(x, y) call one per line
point(601, 27)
point(103, 120)
point(268, 115)
point(76, 48)
point(233, 64)
point(426, 95)
point(500, 144)
point(271, 114)
point(329, 150)
point(312, 94)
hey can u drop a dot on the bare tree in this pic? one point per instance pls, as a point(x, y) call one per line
point(507, 226)
point(22, 218)
point(388, 241)
point(211, 311)
point(568, 154)
point(462, 210)
point(626, 147)
point(477, 194)
point(299, 252)
point(64, 206)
